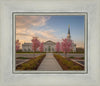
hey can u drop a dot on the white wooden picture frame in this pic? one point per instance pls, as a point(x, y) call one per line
point(52, 14)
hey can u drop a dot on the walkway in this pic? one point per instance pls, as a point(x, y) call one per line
point(49, 64)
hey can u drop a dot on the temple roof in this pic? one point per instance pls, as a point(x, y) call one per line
point(49, 41)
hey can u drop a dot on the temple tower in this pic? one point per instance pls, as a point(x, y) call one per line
point(68, 35)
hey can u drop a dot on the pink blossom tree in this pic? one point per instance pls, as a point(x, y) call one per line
point(57, 47)
point(17, 45)
point(66, 46)
point(41, 47)
point(35, 43)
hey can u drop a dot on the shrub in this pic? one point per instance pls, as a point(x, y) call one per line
point(72, 57)
point(67, 64)
point(32, 64)
point(82, 58)
point(22, 58)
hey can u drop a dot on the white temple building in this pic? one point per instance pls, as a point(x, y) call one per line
point(49, 46)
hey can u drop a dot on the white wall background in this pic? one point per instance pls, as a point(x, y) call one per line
point(7, 78)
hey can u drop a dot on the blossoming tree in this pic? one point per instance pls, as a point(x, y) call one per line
point(35, 43)
point(17, 45)
point(57, 47)
point(66, 46)
point(41, 47)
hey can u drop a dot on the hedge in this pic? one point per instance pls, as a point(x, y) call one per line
point(67, 64)
point(22, 58)
point(32, 64)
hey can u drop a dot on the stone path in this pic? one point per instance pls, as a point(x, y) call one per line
point(49, 64)
point(73, 54)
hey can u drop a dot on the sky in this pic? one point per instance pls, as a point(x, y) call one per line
point(53, 28)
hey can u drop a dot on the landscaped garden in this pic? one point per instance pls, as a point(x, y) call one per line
point(31, 60)
point(32, 64)
point(67, 64)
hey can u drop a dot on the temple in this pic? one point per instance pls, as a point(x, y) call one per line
point(49, 46)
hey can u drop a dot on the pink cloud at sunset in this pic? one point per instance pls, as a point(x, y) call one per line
point(26, 21)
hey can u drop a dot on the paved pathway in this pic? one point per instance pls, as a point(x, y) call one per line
point(73, 54)
point(49, 64)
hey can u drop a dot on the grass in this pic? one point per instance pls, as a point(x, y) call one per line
point(77, 52)
point(67, 64)
point(22, 58)
point(72, 57)
point(32, 64)
point(69, 52)
point(82, 58)
point(29, 53)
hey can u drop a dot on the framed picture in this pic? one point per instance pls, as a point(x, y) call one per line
point(49, 43)
point(61, 47)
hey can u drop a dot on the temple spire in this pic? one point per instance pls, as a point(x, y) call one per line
point(68, 29)
point(68, 35)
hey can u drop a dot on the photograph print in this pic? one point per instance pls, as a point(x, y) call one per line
point(49, 42)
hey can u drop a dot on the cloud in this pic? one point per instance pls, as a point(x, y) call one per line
point(43, 35)
point(28, 21)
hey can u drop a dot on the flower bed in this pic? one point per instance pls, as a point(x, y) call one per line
point(32, 64)
point(67, 64)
